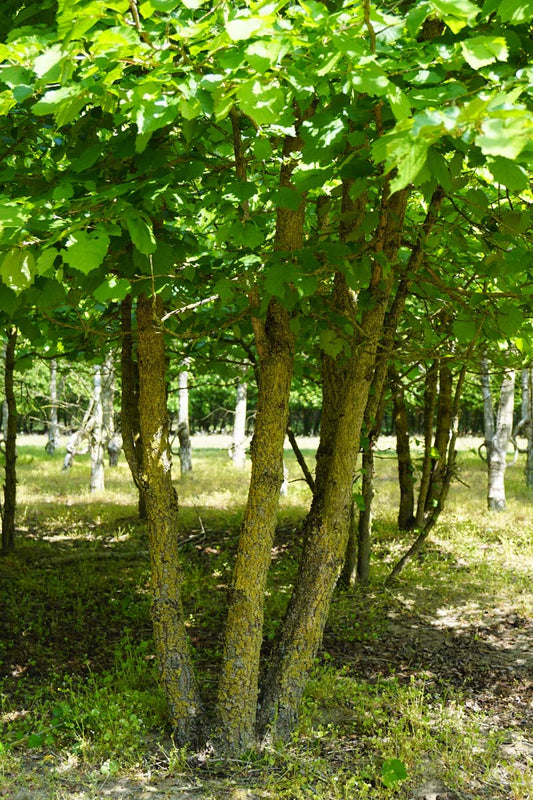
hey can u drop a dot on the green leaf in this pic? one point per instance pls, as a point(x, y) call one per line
point(330, 343)
point(392, 771)
point(509, 174)
point(9, 301)
point(86, 251)
point(516, 11)
point(482, 50)
point(113, 290)
point(505, 134)
point(141, 232)
point(264, 54)
point(262, 149)
point(17, 269)
point(47, 61)
point(243, 27)
point(45, 262)
point(264, 104)
point(35, 740)
point(64, 103)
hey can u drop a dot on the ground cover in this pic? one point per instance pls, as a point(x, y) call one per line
point(423, 690)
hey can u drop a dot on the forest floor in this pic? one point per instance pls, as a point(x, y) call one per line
point(423, 692)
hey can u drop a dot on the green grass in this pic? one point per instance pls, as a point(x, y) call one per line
point(408, 679)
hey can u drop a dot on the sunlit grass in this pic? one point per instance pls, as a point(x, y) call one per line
point(76, 594)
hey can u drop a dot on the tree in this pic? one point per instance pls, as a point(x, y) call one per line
point(498, 433)
point(190, 154)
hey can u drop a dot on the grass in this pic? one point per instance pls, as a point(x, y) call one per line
point(425, 686)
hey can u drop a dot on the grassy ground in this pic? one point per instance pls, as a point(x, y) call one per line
point(423, 691)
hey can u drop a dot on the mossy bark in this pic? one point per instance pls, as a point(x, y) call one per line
point(171, 642)
point(10, 471)
point(346, 384)
point(238, 687)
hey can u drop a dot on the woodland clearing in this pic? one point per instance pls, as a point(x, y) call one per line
point(421, 691)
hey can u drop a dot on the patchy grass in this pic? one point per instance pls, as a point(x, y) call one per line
point(422, 690)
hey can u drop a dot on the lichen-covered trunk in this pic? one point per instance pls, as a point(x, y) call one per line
point(10, 469)
point(346, 385)
point(170, 636)
point(53, 428)
point(97, 434)
point(239, 681)
point(497, 447)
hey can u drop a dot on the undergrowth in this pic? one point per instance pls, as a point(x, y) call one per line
point(388, 709)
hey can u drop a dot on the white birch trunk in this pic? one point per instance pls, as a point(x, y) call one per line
point(527, 412)
point(111, 437)
point(53, 428)
point(97, 435)
point(183, 423)
point(238, 447)
point(497, 446)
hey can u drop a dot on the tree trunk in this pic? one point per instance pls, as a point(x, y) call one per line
point(497, 447)
point(74, 441)
point(53, 430)
point(446, 464)
point(238, 688)
point(346, 385)
point(10, 472)
point(97, 434)
point(238, 448)
point(183, 423)
point(406, 510)
point(529, 426)
point(129, 403)
point(111, 436)
point(430, 403)
point(171, 643)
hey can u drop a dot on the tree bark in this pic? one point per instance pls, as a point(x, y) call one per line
point(53, 429)
point(238, 688)
point(10, 471)
point(346, 385)
point(498, 445)
point(528, 392)
point(171, 643)
point(111, 436)
point(97, 434)
point(183, 423)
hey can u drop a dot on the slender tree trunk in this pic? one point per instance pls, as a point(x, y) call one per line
point(444, 477)
point(238, 449)
point(53, 430)
point(238, 688)
point(406, 511)
point(443, 430)
point(345, 393)
point(74, 442)
point(111, 436)
point(183, 423)
point(129, 402)
point(497, 450)
point(97, 434)
point(171, 643)
point(430, 403)
point(529, 425)
point(10, 472)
